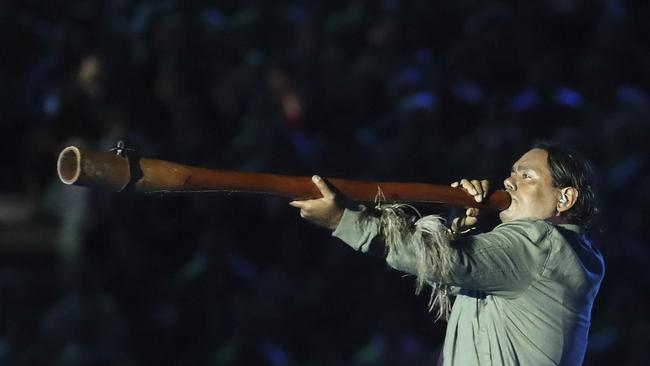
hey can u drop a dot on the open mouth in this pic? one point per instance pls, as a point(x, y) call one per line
point(512, 200)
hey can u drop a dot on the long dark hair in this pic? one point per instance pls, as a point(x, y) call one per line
point(569, 168)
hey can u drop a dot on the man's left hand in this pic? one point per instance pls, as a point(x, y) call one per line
point(324, 212)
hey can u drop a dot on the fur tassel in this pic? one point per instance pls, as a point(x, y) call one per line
point(427, 238)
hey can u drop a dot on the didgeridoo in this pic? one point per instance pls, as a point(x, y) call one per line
point(96, 169)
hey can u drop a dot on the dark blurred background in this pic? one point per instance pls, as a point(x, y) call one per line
point(427, 91)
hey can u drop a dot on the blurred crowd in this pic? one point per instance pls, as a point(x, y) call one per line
point(391, 90)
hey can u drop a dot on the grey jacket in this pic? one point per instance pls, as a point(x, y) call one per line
point(526, 291)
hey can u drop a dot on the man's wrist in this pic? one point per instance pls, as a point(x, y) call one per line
point(336, 219)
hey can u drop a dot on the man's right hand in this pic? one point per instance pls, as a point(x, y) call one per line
point(478, 189)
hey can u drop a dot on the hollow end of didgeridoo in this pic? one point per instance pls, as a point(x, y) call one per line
point(69, 165)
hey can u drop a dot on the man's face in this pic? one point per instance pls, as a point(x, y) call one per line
point(531, 188)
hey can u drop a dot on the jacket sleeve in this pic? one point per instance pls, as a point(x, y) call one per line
point(502, 262)
point(363, 235)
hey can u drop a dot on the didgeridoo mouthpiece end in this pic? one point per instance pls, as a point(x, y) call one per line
point(69, 165)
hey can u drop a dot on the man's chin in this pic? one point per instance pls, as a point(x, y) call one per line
point(505, 215)
point(508, 214)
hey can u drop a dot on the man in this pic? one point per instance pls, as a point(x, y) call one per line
point(525, 289)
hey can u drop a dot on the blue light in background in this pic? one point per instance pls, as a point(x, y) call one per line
point(468, 92)
point(366, 136)
point(425, 100)
point(410, 345)
point(307, 146)
point(410, 75)
point(213, 18)
point(390, 5)
point(632, 95)
point(423, 55)
point(568, 97)
point(275, 355)
point(616, 9)
point(140, 19)
point(166, 314)
point(527, 99)
point(419, 100)
point(621, 175)
point(242, 267)
point(297, 14)
point(603, 339)
point(51, 104)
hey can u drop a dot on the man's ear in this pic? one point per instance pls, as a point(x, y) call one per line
point(568, 198)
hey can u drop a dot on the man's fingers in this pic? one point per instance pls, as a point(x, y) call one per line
point(486, 186)
point(461, 224)
point(298, 204)
point(468, 186)
point(470, 221)
point(478, 188)
point(472, 188)
point(472, 212)
point(304, 207)
point(322, 186)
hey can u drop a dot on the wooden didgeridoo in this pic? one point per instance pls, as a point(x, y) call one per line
point(89, 168)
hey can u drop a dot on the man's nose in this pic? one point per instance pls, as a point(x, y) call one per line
point(509, 184)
